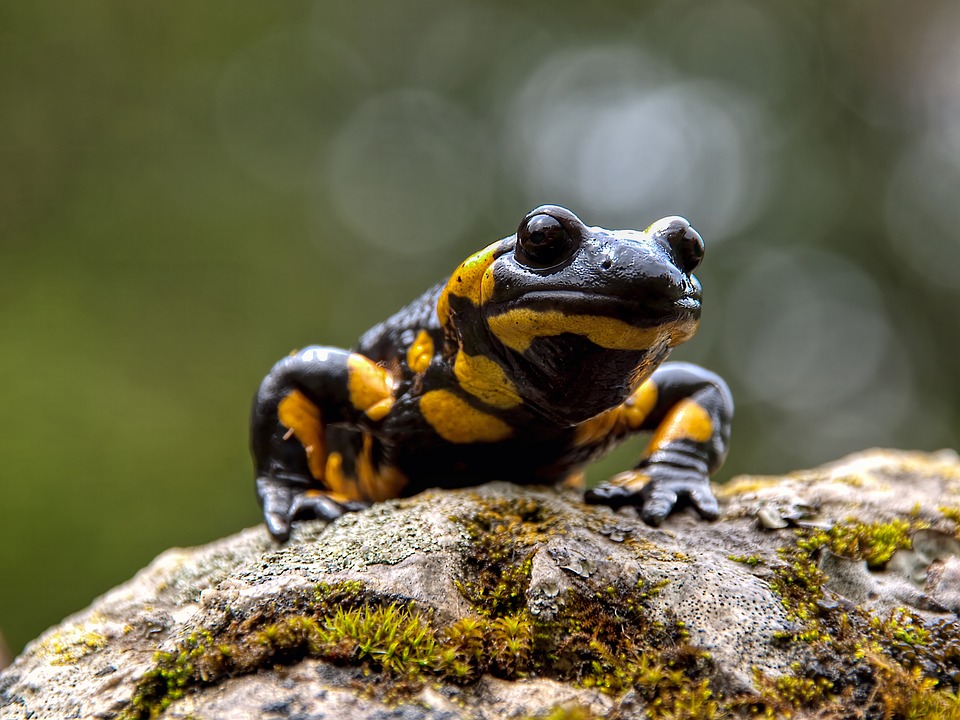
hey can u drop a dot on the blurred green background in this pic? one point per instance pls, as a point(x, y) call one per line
point(190, 190)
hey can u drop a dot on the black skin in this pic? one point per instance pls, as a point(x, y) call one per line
point(562, 378)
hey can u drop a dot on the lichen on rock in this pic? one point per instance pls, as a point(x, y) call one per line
point(826, 591)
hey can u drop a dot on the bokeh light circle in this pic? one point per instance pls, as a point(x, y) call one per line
point(806, 329)
point(408, 172)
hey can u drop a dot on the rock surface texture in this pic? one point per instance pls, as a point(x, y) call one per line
point(833, 591)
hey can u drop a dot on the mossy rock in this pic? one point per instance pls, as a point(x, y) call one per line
point(831, 591)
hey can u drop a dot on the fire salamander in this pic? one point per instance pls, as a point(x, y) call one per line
point(537, 355)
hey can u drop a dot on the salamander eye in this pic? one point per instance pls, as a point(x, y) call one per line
point(685, 242)
point(542, 241)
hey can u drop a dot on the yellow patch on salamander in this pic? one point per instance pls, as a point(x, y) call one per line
point(466, 281)
point(640, 404)
point(625, 418)
point(518, 328)
point(337, 481)
point(456, 421)
point(484, 379)
point(335, 496)
point(596, 429)
point(302, 418)
point(370, 386)
point(371, 483)
point(377, 483)
point(632, 479)
point(420, 353)
point(688, 420)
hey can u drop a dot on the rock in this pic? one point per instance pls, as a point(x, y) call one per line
point(499, 601)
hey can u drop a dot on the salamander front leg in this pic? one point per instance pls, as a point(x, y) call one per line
point(299, 398)
point(690, 413)
point(284, 500)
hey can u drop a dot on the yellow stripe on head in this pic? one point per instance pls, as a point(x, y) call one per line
point(518, 328)
point(467, 281)
point(456, 421)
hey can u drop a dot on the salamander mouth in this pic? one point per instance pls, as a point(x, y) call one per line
point(637, 309)
point(610, 323)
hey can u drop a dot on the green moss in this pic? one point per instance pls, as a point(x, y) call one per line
point(168, 680)
point(67, 646)
point(649, 590)
point(503, 526)
point(799, 583)
point(692, 701)
point(932, 647)
point(801, 691)
point(910, 695)
point(265, 638)
point(510, 640)
point(599, 637)
point(897, 666)
point(951, 513)
point(751, 560)
point(901, 628)
point(464, 649)
point(873, 542)
point(498, 589)
point(604, 643)
point(503, 534)
point(394, 640)
point(793, 690)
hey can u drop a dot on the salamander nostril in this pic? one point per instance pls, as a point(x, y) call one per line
point(606, 264)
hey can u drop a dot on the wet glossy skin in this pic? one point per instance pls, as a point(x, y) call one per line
point(538, 354)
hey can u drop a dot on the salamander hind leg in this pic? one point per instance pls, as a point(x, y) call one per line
point(297, 403)
point(690, 412)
